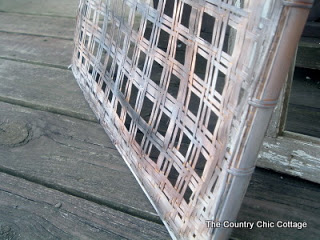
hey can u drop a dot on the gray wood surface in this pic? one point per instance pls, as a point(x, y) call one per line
point(76, 157)
point(274, 197)
point(70, 154)
point(39, 92)
point(43, 88)
point(56, 8)
point(304, 120)
point(303, 111)
point(45, 214)
point(305, 88)
point(74, 160)
point(57, 52)
point(312, 29)
point(57, 27)
point(308, 53)
point(66, 154)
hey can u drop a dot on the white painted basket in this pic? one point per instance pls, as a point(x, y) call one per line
point(187, 102)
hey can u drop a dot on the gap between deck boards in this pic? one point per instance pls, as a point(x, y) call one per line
point(38, 14)
point(30, 178)
point(73, 192)
point(36, 63)
point(36, 35)
point(57, 152)
point(35, 106)
point(45, 213)
point(50, 109)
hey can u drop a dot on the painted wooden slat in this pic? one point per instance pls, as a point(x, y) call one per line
point(293, 154)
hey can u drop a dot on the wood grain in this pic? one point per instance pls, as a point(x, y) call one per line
point(56, 8)
point(43, 88)
point(275, 197)
point(305, 88)
point(62, 28)
point(308, 53)
point(69, 154)
point(57, 51)
point(37, 49)
point(303, 120)
point(291, 155)
point(77, 157)
point(31, 211)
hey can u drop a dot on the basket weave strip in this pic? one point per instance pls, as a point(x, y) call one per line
point(171, 84)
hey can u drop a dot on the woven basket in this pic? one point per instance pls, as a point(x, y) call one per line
point(185, 90)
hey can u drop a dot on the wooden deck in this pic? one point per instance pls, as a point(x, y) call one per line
point(60, 175)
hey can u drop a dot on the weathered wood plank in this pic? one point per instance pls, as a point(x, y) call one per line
point(45, 88)
point(77, 155)
point(37, 49)
point(254, 210)
point(314, 14)
point(56, 8)
point(303, 111)
point(312, 29)
point(308, 53)
point(73, 155)
point(287, 190)
point(272, 197)
point(292, 154)
point(305, 88)
point(57, 51)
point(303, 120)
point(37, 25)
point(31, 211)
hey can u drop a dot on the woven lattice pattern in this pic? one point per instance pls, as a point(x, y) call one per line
point(170, 83)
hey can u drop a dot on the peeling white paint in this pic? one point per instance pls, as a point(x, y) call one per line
point(288, 155)
point(304, 143)
point(295, 173)
point(270, 145)
point(271, 156)
point(302, 154)
point(296, 163)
